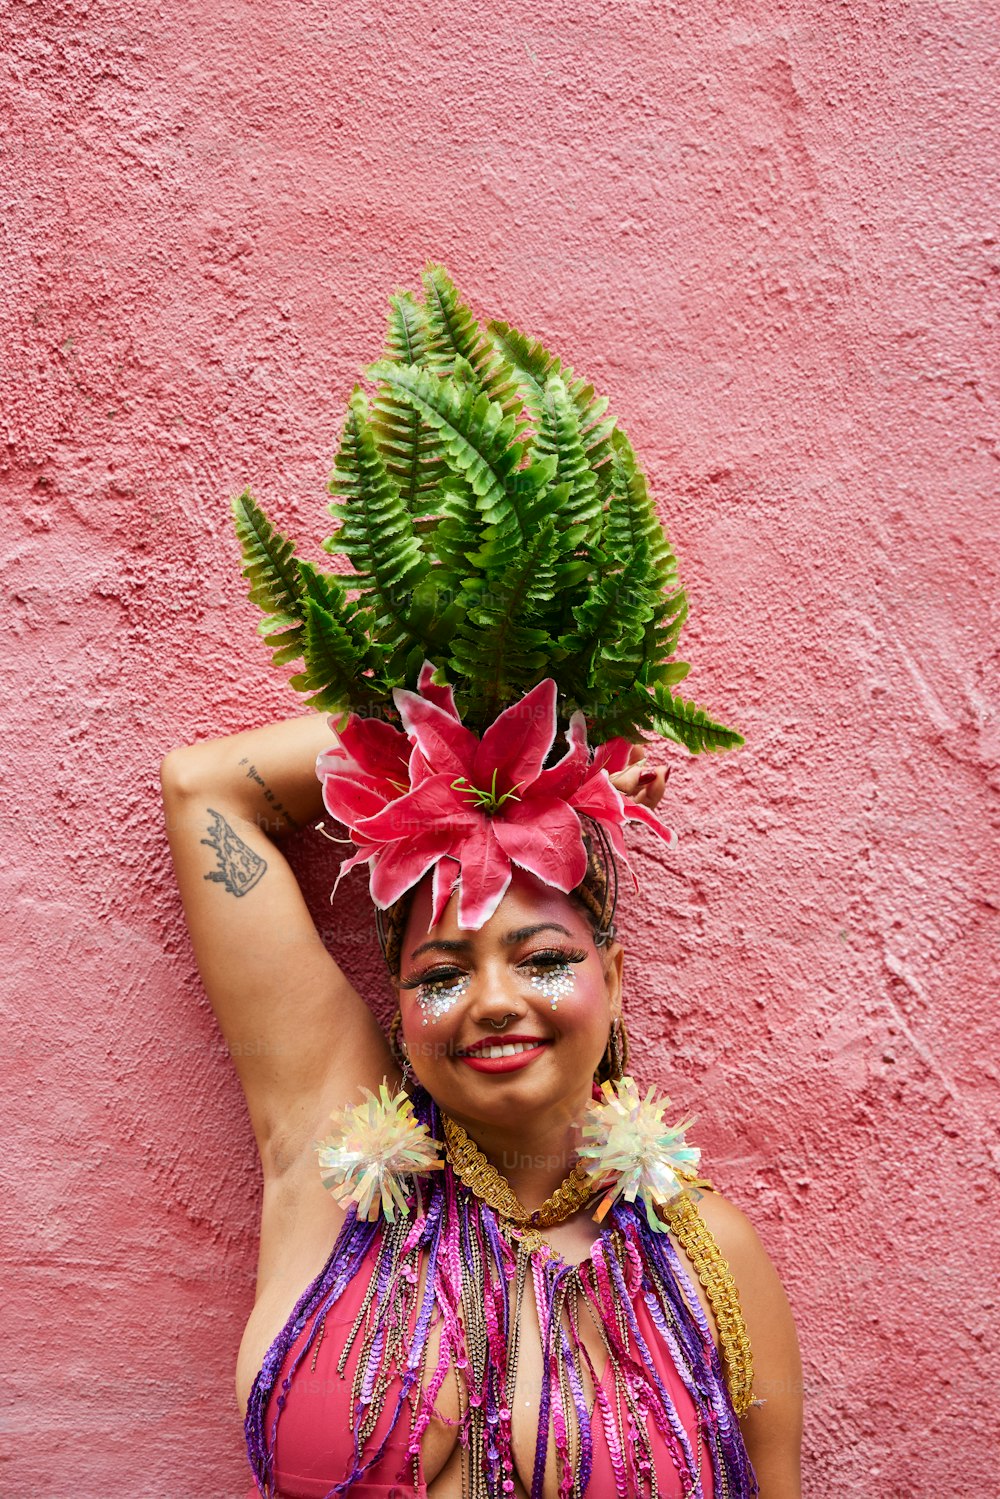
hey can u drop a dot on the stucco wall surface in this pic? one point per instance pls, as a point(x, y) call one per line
point(767, 233)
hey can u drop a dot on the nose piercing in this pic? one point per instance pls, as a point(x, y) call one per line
point(502, 1025)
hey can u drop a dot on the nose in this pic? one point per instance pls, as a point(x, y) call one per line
point(496, 997)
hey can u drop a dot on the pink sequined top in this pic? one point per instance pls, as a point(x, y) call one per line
point(313, 1446)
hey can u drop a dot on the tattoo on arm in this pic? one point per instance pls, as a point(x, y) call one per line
point(239, 867)
point(276, 807)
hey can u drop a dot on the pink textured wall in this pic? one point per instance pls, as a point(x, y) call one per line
point(769, 240)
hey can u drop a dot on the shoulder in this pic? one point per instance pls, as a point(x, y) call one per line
point(733, 1232)
point(762, 1295)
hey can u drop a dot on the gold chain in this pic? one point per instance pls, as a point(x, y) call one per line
point(698, 1242)
point(482, 1178)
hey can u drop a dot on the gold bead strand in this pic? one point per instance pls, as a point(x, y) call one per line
point(698, 1242)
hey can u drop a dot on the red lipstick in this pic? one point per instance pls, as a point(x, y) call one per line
point(473, 1057)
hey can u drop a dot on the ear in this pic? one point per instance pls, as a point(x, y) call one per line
point(614, 960)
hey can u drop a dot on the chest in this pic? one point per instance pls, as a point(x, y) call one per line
point(553, 1361)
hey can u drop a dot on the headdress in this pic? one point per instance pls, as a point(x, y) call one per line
point(510, 584)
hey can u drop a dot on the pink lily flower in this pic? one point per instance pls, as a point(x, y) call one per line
point(439, 797)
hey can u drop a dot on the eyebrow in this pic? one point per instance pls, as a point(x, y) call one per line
point(509, 939)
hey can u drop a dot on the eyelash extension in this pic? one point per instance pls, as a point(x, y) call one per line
point(435, 976)
point(556, 957)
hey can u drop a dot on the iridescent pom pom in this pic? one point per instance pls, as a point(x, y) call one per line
point(630, 1150)
point(377, 1147)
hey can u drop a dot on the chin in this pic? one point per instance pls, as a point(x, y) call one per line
point(508, 1098)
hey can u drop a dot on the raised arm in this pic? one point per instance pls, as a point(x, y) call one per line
point(300, 1035)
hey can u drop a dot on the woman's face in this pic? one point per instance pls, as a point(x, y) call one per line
point(533, 965)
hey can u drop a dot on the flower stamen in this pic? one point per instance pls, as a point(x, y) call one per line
point(489, 801)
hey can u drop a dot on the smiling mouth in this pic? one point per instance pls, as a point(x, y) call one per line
point(508, 1048)
point(500, 1057)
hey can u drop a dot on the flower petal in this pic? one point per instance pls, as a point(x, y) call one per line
point(599, 799)
point(636, 812)
point(485, 875)
point(431, 804)
point(567, 774)
point(433, 693)
point(444, 741)
point(397, 867)
point(616, 838)
point(351, 797)
point(331, 760)
point(446, 873)
point(362, 856)
point(517, 742)
point(612, 756)
point(376, 747)
point(544, 837)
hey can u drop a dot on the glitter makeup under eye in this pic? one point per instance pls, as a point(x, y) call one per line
point(555, 984)
point(436, 997)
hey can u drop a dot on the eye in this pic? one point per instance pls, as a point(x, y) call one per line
point(552, 958)
point(433, 976)
point(438, 991)
point(441, 978)
point(550, 974)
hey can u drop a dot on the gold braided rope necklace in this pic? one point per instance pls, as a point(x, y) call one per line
point(490, 1186)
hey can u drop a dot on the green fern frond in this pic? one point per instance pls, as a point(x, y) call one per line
point(662, 634)
point(273, 571)
point(268, 559)
point(376, 529)
point(558, 436)
point(331, 669)
point(286, 587)
point(631, 517)
point(436, 612)
point(610, 620)
point(458, 532)
point(330, 591)
point(479, 438)
point(411, 449)
point(533, 364)
point(683, 721)
point(407, 335)
point(455, 337)
point(631, 523)
point(531, 497)
point(497, 650)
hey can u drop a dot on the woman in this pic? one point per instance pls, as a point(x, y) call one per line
point(507, 1279)
point(304, 1042)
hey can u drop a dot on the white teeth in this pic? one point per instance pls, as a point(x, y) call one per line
point(512, 1049)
